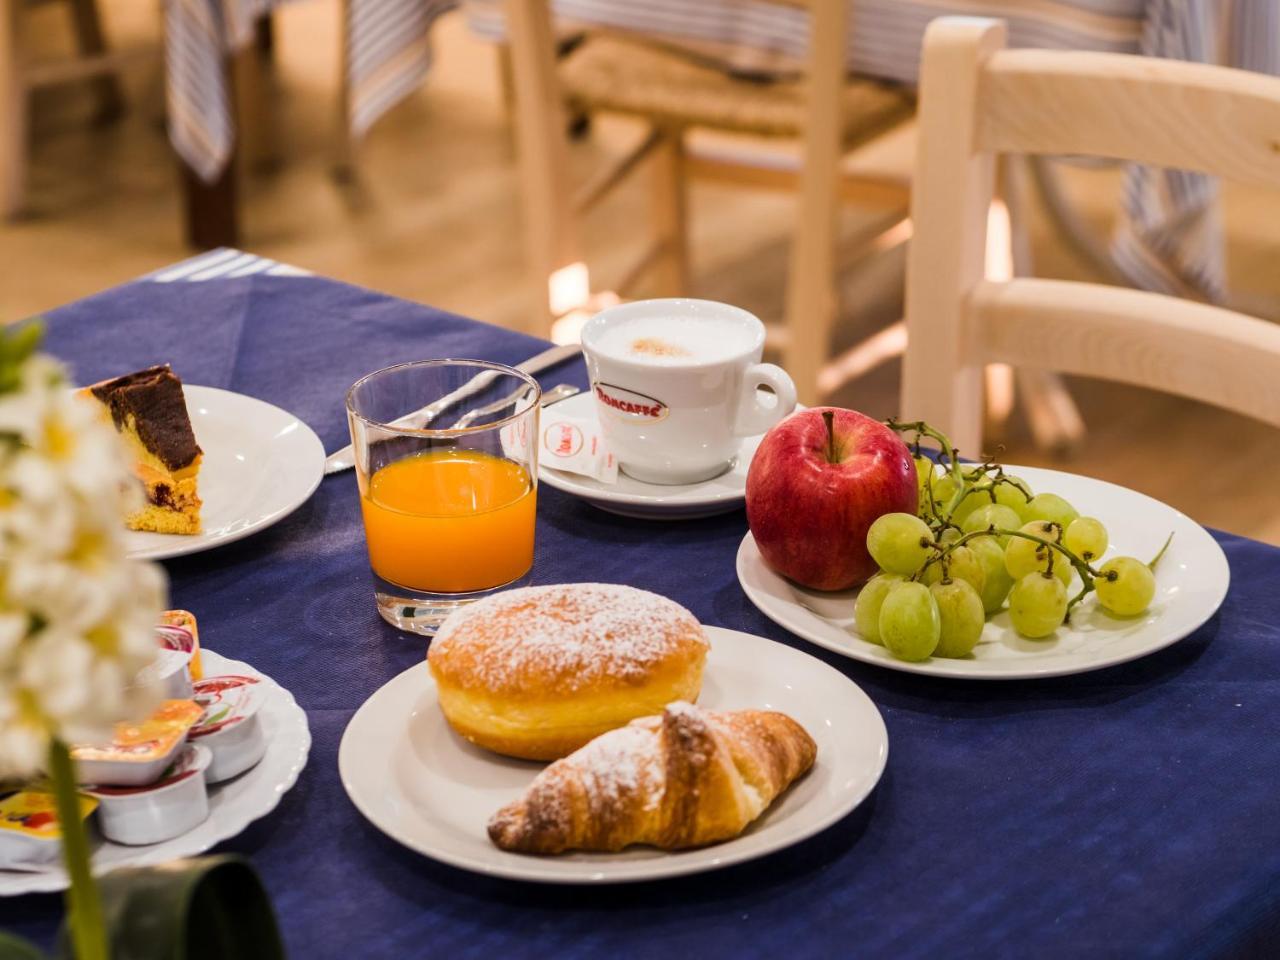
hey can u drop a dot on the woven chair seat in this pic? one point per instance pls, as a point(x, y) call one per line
point(619, 75)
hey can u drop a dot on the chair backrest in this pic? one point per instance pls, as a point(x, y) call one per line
point(551, 232)
point(978, 100)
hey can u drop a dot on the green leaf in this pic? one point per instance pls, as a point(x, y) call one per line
point(17, 343)
point(14, 948)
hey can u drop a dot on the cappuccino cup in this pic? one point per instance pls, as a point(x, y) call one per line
point(677, 384)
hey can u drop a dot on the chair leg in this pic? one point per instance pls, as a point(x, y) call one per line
point(811, 285)
point(506, 81)
point(254, 109)
point(558, 277)
point(345, 145)
point(13, 114)
point(91, 42)
point(670, 215)
point(1056, 424)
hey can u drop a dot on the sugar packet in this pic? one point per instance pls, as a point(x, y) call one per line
point(575, 445)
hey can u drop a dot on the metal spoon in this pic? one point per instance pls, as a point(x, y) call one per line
point(560, 392)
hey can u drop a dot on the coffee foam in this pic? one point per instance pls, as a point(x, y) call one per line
point(673, 341)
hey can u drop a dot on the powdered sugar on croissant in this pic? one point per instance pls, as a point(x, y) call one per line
point(683, 779)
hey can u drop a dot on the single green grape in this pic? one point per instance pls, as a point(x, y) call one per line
point(899, 542)
point(995, 515)
point(1086, 538)
point(949, 535)
point(996, 580)
point(1015, 493)
point(970, 502)
point(1037, 605)
point(1126, 586)
point(962, 564)
point(960, 616)
point(925, 469)
point(866, 609)
point(1051, 508)
point(909, 621)
point(943, 488)
point(1022, 557)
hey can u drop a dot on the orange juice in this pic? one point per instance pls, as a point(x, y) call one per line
point(450, 521)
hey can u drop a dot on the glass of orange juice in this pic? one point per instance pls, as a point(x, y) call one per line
point(446, 455)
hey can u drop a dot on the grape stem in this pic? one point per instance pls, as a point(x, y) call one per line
point(1156, 559)
point(1087, 573)
point(922, 429)
point(963, 487)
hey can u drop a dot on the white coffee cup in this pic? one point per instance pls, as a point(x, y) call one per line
point(677, 384)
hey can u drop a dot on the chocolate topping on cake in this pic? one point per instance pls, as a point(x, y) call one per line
point(154, 398)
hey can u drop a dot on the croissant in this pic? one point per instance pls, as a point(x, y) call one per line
point(683, 779)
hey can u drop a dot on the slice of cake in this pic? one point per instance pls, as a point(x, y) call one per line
point(149, 410)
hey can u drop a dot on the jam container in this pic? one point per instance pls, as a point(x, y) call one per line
point(176, 663)
point(230, 727)
point(178, 628)
point(159, 811)
point(30, 835)
point(138, 752)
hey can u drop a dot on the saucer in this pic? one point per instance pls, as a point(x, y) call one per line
point(630, 497)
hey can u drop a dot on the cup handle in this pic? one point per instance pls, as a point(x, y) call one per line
point(755, 417)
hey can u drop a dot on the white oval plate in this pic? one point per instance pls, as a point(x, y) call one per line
point(1191, 582)
point(421, 784)
point(260, 464)
point(233, 805)
point(652, 501)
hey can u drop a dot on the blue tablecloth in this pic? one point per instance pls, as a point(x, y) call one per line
point(1129, 812)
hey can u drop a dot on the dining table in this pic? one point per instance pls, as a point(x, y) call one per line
point(1129, 812)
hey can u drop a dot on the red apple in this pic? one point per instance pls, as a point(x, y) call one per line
point(820, 478)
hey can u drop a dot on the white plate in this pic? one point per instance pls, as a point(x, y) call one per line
point(421, 784)
point(233, 805)
point(634, 498)
point(1191, 581)
point(260, 464)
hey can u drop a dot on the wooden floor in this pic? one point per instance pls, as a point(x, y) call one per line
point(433, 218)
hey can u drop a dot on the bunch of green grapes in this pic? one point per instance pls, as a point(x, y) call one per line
point(982, 540)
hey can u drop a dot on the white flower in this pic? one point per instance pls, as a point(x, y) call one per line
point(77, 617)
point(54, 670)
point(13, 627)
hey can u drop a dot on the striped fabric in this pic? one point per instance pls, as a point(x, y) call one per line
point(884, 35)
point(1170, 238)
point(224, 264)
point(388, 53)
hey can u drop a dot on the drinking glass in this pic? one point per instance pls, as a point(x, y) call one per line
point(446, 455)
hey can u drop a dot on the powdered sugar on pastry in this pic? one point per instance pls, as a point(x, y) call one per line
point(563, 637)
point(684, 778)
point(621, 765)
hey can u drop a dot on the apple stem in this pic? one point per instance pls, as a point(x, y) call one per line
point(828, 417)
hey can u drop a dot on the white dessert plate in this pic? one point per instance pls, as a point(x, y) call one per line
point(423, 785)
point(635, 498)
point(1191, 582)
point(233, 804)
point(260, 464)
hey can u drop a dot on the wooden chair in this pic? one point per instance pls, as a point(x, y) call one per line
point(979, 100)
point(19, 76)
point(675, 93)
